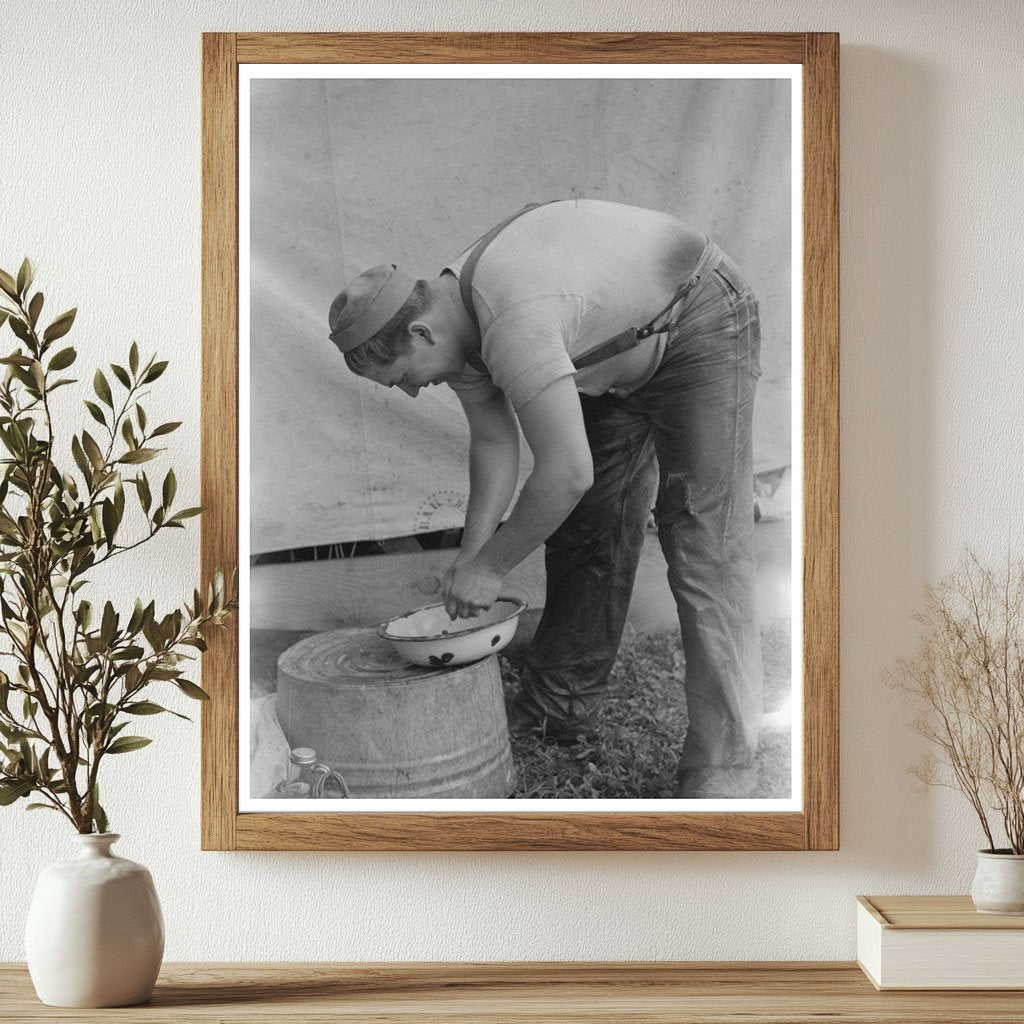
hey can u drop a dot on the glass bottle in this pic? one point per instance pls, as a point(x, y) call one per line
point(298, 774)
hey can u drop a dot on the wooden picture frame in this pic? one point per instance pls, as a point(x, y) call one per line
point(816, 825)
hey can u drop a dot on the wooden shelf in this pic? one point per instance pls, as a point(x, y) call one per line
point(656, 993)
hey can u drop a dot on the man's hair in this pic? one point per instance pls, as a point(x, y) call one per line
point(392, 340)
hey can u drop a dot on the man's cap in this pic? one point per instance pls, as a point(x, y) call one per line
point(367, 303)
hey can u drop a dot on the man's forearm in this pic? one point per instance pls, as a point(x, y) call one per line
point(552, 423)
point(493, 471)
point(545, 501)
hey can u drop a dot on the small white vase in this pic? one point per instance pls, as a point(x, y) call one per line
point(999, 882)
point(95, 933)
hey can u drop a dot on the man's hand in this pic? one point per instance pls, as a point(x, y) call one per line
point(468, 588)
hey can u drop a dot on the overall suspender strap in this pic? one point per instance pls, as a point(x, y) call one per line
point(466, 274)
point(631, 337)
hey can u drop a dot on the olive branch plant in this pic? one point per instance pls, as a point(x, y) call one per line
point(966, 681)
point(80, 675)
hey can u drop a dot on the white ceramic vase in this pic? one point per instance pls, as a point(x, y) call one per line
point(999, 882)
point(95, 933)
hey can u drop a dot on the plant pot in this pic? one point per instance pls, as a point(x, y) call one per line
point(999, 882)
point(95, 933)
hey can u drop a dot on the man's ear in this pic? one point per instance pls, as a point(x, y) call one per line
point(421, 329)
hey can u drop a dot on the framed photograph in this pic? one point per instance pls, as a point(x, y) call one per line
point(520, 420)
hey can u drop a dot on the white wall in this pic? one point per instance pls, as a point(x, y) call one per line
point(99, 181)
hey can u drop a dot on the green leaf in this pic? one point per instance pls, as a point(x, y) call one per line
point(92, 449)
point(185, 513)
point(7, 283)
point(139, 455)
point(11, 791)
point(165, 428)
point(121, 374)
point(99, 816)
point(133, 358)
point(16, 359)
point(108, 627)
point(20, 329)
point(4, 314)
point(144, 707)
point(109, 521)
point(63, 359)
point(125, 744)
point(128, 433)
point(18, 435)
point(171, 674)
point(138, 614)
point(34, 308)
point(95, 526)
point(96, 412)
point(130, 653)
point(12, 733)
point(96, 711)
point(80, 459)
point(26, 274)
point(42, 807)
point(116, 730)
point(145, 497)
point(10, 442)
point(155, 371)
point(191, 690)
point(170, 488)
point(83, 557)
point(60, 326)
point(18, 632)
point(102, 388)
point(140, 415)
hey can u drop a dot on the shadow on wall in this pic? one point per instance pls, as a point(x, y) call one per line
point(887, 327)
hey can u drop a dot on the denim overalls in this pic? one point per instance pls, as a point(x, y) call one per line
point(687, 433)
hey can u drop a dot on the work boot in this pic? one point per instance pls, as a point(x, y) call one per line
point(523, 722)
point(716, 783)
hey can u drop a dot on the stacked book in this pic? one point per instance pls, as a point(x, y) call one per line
point(938, 942)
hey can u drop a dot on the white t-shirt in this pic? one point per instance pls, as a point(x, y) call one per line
point(561, 280)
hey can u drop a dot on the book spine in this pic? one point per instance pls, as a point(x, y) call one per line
point(869, 945)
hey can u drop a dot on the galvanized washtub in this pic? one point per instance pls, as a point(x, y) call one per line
point(392, 729)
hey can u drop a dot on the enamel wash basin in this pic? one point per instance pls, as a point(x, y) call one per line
point(429, 637)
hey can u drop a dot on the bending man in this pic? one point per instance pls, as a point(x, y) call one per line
point(626, 345)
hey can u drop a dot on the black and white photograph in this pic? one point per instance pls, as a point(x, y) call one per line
point(520, 378)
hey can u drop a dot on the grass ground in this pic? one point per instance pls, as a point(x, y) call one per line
point(642, 727)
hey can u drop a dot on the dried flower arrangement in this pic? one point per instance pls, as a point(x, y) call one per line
point(967, 682)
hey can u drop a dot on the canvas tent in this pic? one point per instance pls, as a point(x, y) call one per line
point(348, 173)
